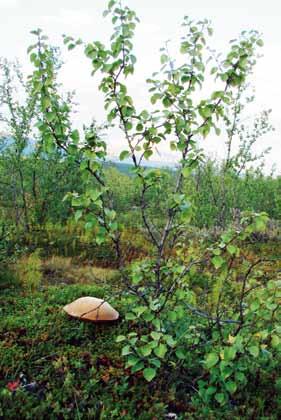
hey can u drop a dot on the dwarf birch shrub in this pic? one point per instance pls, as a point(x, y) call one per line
point(172, 326)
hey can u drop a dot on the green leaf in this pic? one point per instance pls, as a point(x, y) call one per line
point(155, 362)
point(139, 310)
point(137, 278)
point(220, 398)
point(205, 112)
point(156, 335)
point(180, 354)
point(132, 360)
point(154, 344)
point(111, 214)
point(94, 194)
point(229, 353)
point(254, 351)
point(148, 316)
point(217, 251)
point(275, 340)
point(156, 323)
point(50, 116)
point(173, 147)
point(100, 239)
point(226, 372)
point(154, 98)
point(130, 316)
point(164, 58)
point(144, 115)
point(211, 360)
point(145, 350)
point(111, 4)
point(186, 171)
point(78, 215)
point(124, 155)
point(170, 341)
point(46, 102)
point(231, 387)
point(214, 70)
point(126, 350)
point(160, 351)
point(167, 102)
point(120, 338)
point(138, 366)
point(75, 135)
point(172, 316)
point(217, 261)
point(128, 125)
point(231, 249)
point(149, 374)
point(184, 47)
point(226, 237)
point(148, 153)
point(33, 57)
point(255, 305)
point(211, 390)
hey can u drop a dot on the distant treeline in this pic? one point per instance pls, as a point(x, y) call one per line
point(33, 187)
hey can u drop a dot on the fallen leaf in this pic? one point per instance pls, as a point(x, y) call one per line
point(12, 386)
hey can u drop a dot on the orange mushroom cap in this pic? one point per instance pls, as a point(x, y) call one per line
point(91, 309)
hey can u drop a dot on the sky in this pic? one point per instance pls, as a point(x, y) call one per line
point(160, 21)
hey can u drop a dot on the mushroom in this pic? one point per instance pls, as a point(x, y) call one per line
point(91, 309)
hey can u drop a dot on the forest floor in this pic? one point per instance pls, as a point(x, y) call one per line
point(56, 367)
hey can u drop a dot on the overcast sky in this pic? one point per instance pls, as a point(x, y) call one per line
point(160, 20)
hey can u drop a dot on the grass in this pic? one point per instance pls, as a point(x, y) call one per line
point(61, 271)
